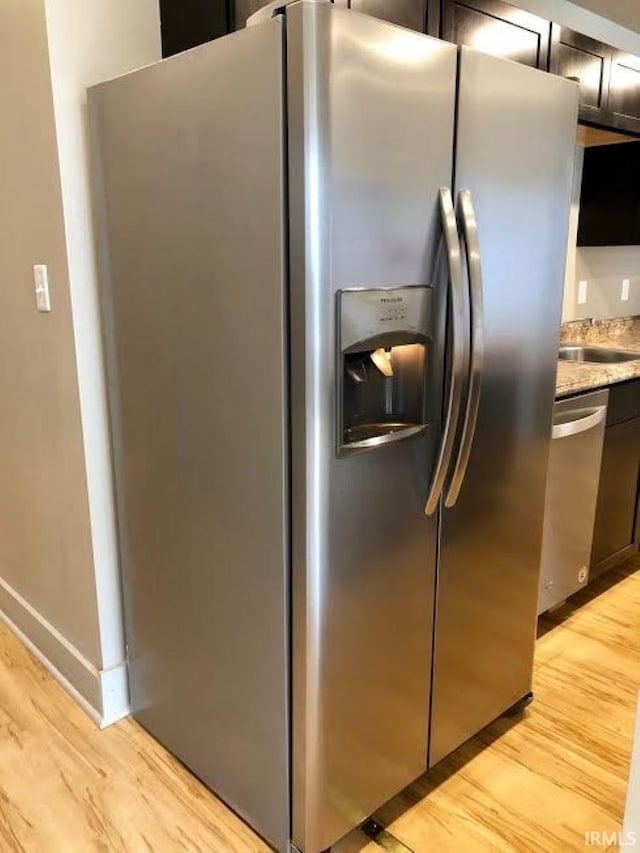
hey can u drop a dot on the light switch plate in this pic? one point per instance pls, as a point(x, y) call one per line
point(582, 292)
point(624, 293)
point(41, 281)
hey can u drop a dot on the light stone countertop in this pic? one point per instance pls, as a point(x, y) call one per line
point(615, 334)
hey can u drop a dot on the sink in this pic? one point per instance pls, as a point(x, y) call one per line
point(596, 355)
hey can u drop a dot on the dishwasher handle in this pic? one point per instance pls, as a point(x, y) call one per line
point(581, 421)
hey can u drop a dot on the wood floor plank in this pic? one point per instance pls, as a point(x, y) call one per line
point(534, 784)
point(67, 787)
point(560, 771)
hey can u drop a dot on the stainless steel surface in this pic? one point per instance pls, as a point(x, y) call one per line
point(384, 432)
point(572, 494)
point(581, 420)
point(266, 12)
point(516, 137)
point(238, 510)
point(193, 173)
point(363, 558)
point(369, 314)
point(459, 350)
point(379, 402)
point(476, 299)
point(596, 355)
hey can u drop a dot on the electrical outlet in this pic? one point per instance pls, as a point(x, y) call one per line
point(582, 292)
point(41, 281)
point(624, 293)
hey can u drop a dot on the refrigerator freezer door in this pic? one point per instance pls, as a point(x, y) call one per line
point(192, 158)
point(516, 137)
point(371, 110)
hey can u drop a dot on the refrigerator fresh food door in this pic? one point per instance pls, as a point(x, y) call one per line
point(370, 119)
point(192, 157)
point(514, 153)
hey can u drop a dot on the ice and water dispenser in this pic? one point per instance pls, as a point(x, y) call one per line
point(383, 337)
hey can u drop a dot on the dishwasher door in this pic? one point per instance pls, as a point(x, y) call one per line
point(572, 493)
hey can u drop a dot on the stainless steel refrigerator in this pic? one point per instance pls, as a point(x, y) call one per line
point(332, 264)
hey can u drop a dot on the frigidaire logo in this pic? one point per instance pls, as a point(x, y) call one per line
point(387, 299)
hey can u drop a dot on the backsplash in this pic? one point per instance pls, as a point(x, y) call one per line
point(603, 269)
point(599, 331)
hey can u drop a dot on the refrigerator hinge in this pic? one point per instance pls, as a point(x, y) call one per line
point(274, 8)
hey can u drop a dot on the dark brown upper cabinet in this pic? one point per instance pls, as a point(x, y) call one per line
point(496, 28)
point(189, 23)
point(609, 79)
point(411, 14)
point(609, 199)
point(586, 61)
point(624, 91)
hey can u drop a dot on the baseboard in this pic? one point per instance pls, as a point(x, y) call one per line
point(114, 688)
point(102, 694)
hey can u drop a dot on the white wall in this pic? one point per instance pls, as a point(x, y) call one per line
point(568, 303)
point(47, 584)
point(603, 268)
point(90, 42)
point(59, 577)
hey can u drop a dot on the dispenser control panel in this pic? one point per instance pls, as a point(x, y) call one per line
point(369, 313)
point(383, 356)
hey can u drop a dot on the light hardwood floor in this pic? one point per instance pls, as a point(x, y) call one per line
point(537, 784)
point(542, 782)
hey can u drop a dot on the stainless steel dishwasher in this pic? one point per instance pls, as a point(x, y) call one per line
point(572, 493)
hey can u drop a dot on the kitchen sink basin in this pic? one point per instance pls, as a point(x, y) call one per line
point(597, 355)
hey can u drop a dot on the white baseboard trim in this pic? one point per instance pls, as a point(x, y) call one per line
point(115, 694)
point(59, 677)
point(102, 694)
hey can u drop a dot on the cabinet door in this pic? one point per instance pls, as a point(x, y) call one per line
point(614, 529)
point(497, 28)
point(609, 199)
point(411, 14)
point(188, 23)
point(624, 91)
point(589, 63)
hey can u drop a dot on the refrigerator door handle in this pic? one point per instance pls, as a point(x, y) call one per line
point(476, 298)
point(458, 335)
